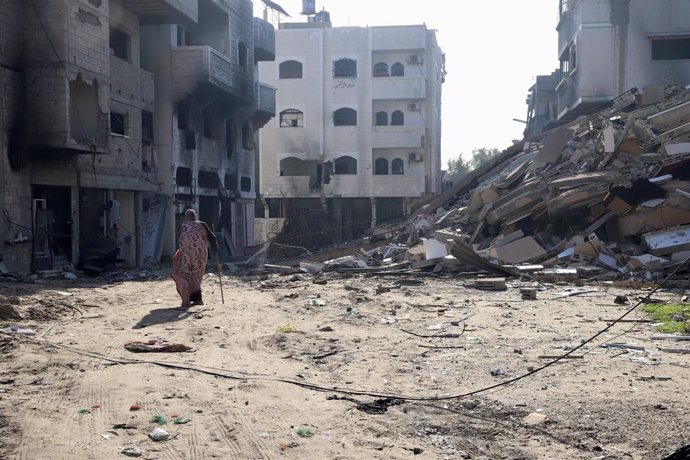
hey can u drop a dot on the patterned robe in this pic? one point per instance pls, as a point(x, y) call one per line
point(189, 262)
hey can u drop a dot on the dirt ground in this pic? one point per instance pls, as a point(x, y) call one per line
point(247, 389)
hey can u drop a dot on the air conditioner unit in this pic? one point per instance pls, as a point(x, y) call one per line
point(414, 107)
point(416, 157)
point(415, 59)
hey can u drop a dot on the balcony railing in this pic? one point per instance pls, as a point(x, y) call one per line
point(390, 137)
point(398, 88)
point(164, 11)
point(264, 41)
point(265, 97)
point(398, 186)
point(194, 66)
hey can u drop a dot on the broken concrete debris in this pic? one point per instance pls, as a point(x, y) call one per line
point(603, 197)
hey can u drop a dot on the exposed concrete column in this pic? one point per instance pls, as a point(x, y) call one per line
point(267, 209)
point(373, 211)
point(407, 206)
point(74, 198)
point(138, 220)
point(338, 214)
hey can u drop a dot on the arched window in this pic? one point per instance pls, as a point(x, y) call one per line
point(397, 118)
point(290, 69)
point(397, 70)
point(291, 118)
point(345, 165)
point(381, 119)
point(345, 117)
point(381, 167)
point(242, 54)
point(246, 184)
point(345, 68)
point(397, 166)
point(381, 69)
point(292, 166)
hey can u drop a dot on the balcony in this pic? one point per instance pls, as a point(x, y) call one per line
point(164, 11)
point(204, 68)
point(264, 41)
point(344, 185)
point(293, 186)
point(577, 96)
point(390, 137)
point(398, 88)
point(398, 186)
point(265, 98)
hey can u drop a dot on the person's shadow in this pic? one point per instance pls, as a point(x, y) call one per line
point(162, 316)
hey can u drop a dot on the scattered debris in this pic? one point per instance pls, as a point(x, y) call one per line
point(159, 434)
point(155, 346)
point(304, 432)
point(535, 418)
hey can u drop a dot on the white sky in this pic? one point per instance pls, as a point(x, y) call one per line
point(494, 49)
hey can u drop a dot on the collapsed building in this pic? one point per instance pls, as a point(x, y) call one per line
point(605, 196)
point(118, 115)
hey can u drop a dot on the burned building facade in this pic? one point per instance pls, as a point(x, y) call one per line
point(90, 131)
point(358, 125)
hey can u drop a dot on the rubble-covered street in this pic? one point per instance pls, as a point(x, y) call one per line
point(261, 377)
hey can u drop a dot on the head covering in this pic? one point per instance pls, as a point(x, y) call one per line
point(190, 214)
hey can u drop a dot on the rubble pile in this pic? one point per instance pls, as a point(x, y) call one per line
point(606, 195)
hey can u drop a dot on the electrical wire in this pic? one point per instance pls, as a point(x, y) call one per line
point(6, 213)
point(216, 372)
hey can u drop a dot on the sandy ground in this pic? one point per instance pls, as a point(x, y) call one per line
point(63, 390)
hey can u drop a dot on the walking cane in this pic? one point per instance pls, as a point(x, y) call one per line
point(220, 272)
point(220, 278)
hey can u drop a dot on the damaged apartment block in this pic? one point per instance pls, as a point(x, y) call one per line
point(106, 104)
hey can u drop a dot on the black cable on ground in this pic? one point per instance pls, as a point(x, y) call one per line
point(242, 376)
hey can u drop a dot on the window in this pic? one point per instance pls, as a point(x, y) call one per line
point(381, 69)
point(118, 123)
point(291, 118)
point(397, 166)
point(397, 70)
point(381, 167)
point(345, 117)
point(230, 182)
point(120, 44)
point(397, 118)
point(209, 179)
point(181, 36)
point(242, 54)
point(230, 137)
point(183, 115)
point(670, 49)
point(247, 137)
point(345, 68)
point(345, 165)
point(210, 127)
point(381, 119)
point(146, 127)
point(83, 110)
point(183, 177)
point(290, 69)
point(246, 184)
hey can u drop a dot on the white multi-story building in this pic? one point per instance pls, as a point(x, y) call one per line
point(358, 125)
